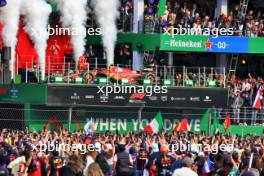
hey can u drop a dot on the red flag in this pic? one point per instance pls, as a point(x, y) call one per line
point(227, 122)
point(181, 126)
point(177, 128)
point(257, 101)
point(148, 129)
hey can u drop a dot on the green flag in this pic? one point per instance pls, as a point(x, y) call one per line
point(216, 123)
point(53, 5)
point(161, 8)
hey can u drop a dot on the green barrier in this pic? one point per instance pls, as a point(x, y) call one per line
point(212, 83)
point(189, 83)
point(243, 130)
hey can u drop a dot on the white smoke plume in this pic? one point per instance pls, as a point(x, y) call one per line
point(36, 18)
point(107, 13)
point(9, 17)
point(74, 17)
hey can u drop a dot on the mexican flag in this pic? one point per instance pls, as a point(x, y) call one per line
point(155, 125)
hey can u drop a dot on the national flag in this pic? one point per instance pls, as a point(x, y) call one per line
point(257, 101)
point(89, 127)
point(181, 126)
point(162, 7)
point(207, 167)
point(227, 122)
point(155, 125)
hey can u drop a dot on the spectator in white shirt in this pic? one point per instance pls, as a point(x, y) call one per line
point(186, 170)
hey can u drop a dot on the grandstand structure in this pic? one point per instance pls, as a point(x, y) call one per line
point(157, 46)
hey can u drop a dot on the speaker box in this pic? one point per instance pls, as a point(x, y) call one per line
point(6, 75)
point(6, 54)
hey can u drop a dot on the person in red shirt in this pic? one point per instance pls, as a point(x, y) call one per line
point(34, 169)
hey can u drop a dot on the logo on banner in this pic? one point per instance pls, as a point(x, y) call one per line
point(178, 99)
point(14, 93)
point(164, 98)
point(119, 98)
point(207, 99)
point(153, 98)
point(104, 98)
point(3, 90)
point(75, 96)
point(137, 96)
point(89, 96)
point(208, 44)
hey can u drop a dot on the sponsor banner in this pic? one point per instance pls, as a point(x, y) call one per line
point(183, 43)
point(173, 97)
point(133, 124)
point(222, 44)
point(119, 119)
point(227, 44)
point(21, 94)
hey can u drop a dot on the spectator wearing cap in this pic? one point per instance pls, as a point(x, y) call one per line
point(164, 161)
point(199, 162)
point(186, 170)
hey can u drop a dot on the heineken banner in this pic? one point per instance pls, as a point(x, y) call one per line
point(130, 96)
point(222, 44)
point(187, 42)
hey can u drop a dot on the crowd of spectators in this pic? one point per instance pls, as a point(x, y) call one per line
point(129, 154)
point(192, 16)
point(242, 96)
point(199, 80)
point(125, 20)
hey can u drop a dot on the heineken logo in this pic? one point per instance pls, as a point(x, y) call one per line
point(189, 44)
point(184, 44)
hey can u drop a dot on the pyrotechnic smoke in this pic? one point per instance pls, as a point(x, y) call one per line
point(9, 16)
point(36, 21)
point(74, 17)
point(106, 14)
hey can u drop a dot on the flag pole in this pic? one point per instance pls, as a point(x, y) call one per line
point(140, 116)
point(250, 161)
